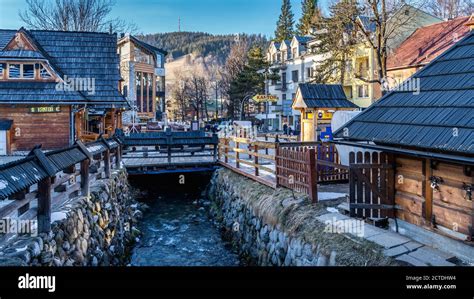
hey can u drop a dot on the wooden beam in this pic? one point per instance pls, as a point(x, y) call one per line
point(85, 178)
point(107, 163)
point(44, 205)
point(313, 179)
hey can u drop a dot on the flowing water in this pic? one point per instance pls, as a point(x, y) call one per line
point(177, 230)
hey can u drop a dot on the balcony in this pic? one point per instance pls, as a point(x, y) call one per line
point(279, 65)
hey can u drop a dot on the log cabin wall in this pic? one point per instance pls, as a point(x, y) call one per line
point(446, 206)
point(452, 207)
point(409, 189)
point(30, 129)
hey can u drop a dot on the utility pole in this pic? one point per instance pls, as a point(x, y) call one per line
point(179, 24)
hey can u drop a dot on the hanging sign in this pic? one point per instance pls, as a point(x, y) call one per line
point(260, 98)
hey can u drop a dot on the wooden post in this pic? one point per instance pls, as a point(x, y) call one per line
point(85, 178)
point(352, 182)
point(44, 205)
point(107, 163)
point(277, 161)
point(237, 154)
point(266, 148)
point(428, 194)
point(118, 157)
point(226, 150)
point(313, 180)
point(256, 159)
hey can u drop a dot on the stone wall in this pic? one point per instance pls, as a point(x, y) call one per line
point(95, 231)
point(279, 228)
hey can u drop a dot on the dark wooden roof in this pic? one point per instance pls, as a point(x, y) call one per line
point(324, 96)
point(439, 118)
point(72, 54)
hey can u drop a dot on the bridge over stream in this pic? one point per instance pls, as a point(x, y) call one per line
point(169, 152)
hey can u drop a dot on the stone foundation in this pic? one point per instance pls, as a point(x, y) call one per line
point(279, 228)
point(96, 231)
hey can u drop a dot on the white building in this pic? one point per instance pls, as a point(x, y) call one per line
point(294, 62)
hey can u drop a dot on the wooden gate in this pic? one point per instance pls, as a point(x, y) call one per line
point(371, 185)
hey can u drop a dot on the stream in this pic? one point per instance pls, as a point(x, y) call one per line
point(177, 230)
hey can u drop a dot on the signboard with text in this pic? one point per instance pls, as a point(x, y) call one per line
point(260, 98)
point(45, 109)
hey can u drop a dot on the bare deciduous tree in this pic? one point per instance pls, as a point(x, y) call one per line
point(450, 9)
point(73, 15)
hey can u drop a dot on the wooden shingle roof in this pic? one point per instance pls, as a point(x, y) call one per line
point(324, 96)
point(84, 55)
point(438, 118)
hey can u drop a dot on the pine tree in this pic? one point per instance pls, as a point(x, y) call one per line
point(310, 10)
point(285, 24)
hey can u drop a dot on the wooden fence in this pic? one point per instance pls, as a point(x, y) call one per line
point(296, 170)
point(295, 165)
point(51, 178)
point(371, 185)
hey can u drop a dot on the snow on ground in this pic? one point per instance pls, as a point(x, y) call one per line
point(57, 216)
point(330, 195)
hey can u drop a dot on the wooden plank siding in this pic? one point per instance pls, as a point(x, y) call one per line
point(409, 189)
point(451, 207)
point(29, 129)
point(419, 204)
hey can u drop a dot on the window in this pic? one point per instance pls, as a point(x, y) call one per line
point(363, 91)
point(294, 53)
point(2, 69)
point(283, 97)
point(44, 74)
point(283, 81)
point(28, 71)
point(294, 76)
point(309, 72)
point(14, 71)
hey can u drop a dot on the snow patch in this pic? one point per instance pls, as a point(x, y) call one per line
point(330, 195)
point(58, 216)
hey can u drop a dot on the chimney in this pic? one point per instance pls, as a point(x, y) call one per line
point(470, 22)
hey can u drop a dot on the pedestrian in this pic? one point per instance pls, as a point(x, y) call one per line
point(285, 129)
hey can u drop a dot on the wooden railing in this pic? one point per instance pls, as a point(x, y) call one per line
point(260, 157)
point(54, 177)
point(299, 166)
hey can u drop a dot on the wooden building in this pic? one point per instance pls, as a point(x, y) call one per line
point(430, 138)
point(317, 103)
point(142, 67)
point(52, 82)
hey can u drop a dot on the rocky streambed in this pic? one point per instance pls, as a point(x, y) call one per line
point(177, 229)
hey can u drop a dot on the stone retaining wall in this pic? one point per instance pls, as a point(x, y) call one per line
point(279, 228)
point(96, 231)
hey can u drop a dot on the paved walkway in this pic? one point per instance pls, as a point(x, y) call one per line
point(395, 245)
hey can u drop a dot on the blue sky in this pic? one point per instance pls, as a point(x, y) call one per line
point(213, 16)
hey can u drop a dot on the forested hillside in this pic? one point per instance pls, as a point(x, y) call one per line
point(199, 44)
